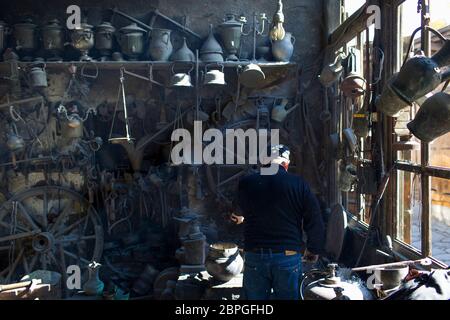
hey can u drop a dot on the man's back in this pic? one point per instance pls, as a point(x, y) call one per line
point(275, 207)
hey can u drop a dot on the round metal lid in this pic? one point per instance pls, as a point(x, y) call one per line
point(230, 21)
point(107, 26)
point(132, 28)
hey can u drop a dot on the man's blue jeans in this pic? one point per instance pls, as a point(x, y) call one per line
point(266, 271)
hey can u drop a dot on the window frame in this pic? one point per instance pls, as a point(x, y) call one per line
point(387, 223)
point(424, 169)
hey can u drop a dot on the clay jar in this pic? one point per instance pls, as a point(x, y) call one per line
point(160, 47)
point(282, 50)
point(224, 261)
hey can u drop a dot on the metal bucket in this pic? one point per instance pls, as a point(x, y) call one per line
point(252, 76)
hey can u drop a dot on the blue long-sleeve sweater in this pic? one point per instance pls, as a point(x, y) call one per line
point(276, 209)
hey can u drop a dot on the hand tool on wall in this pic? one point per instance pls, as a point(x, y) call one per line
point(156, 13)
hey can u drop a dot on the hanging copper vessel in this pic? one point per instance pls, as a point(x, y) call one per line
point(230, 32)
point(419, 76)
point(433, 118)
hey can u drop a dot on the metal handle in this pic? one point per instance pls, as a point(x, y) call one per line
point(86, 75)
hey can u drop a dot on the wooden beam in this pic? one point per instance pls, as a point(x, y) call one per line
point(432, 171)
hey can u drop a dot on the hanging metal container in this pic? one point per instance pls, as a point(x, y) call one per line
point(353, 86)
point(252, 76)
point(53, 39)
point(83, 40)
point(211, 51)
point(230, 32)
point(160, 46)
point(184, 54)
point(433, 118)
point(25, 35)
point(131, 40)
point(38, 77)
point(214, 77)
point(181, 79)
point(418, 76)
point(104, 39)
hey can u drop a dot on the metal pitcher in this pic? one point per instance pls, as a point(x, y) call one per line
point(282, 50)
point(53, 39)
point(279, 112)
point(131, 40)
point(160, 47)
point(214, 77)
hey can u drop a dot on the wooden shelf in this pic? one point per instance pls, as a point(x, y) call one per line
point(114, 65)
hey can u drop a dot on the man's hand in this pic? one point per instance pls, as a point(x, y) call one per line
point(310, 257)
point(236, 219)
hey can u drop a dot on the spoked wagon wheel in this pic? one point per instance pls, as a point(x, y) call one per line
point(47, 228)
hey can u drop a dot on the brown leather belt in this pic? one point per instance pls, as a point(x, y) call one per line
point(268, 250)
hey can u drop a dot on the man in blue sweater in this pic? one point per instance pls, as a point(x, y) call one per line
point(276, 209)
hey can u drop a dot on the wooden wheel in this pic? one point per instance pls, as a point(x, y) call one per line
point(49, 228)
